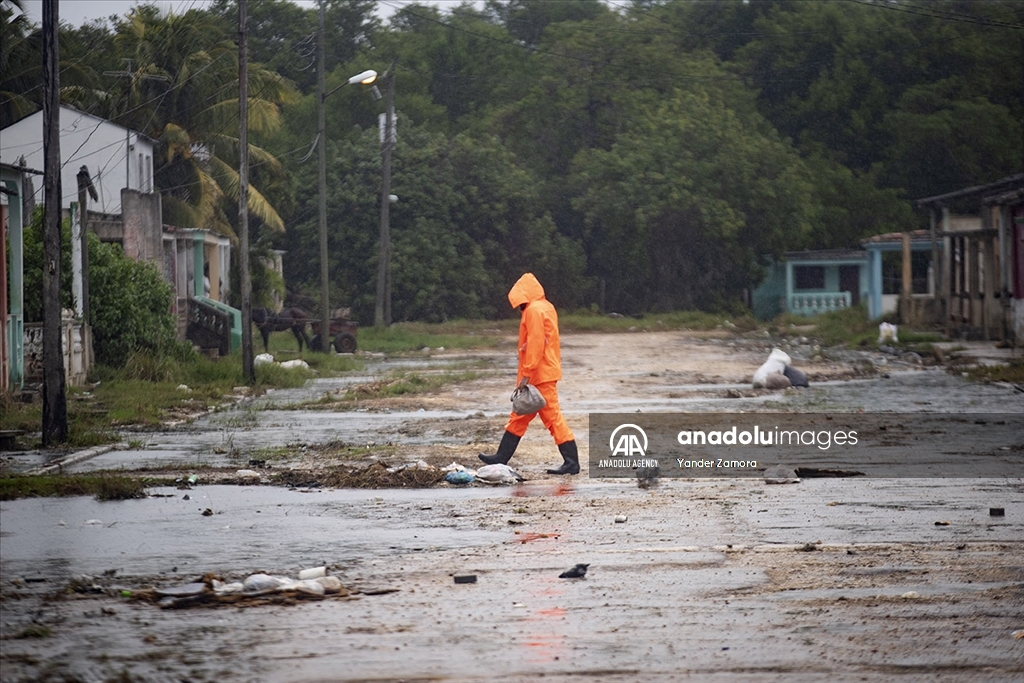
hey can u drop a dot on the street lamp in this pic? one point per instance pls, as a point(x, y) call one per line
point(365, 78)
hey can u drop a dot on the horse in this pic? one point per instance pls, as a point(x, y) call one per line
point(294, 319)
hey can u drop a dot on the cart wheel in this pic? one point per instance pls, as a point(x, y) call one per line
point(315, 344)
point(345, 343)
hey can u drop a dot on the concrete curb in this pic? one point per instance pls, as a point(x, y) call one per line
point(74, 458)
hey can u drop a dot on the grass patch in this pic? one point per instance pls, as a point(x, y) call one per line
point(458, 334)
point(1013, 372)
point(850, 327)
point(586, 321)
point(35, 631)
point(403, 383)
point(101, 486)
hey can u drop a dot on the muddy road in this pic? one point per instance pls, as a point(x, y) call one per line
point(833, 579)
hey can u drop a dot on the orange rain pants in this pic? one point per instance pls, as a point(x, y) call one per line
point(550, 416)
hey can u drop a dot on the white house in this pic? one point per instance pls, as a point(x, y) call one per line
point(115, 156)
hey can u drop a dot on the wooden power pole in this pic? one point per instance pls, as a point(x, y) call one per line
point(55, 406)
point(248, 367)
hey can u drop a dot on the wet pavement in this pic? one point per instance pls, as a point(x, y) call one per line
point(714, 580)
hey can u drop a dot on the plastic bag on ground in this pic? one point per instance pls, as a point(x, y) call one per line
point(498, 474)
point(796, 377)
point(263, 359)
point(459, 477)
point(263, 583)
point(776, 364)
point(887, 333)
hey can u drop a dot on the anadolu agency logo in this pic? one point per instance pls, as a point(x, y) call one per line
point(628, 445)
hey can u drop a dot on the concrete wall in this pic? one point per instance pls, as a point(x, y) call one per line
point(143, 227)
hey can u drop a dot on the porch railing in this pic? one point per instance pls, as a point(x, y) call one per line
point(813, 304)
point(212, 324)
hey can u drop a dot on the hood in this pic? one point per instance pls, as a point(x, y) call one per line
point(526, 289)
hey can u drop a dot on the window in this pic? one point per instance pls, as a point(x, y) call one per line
point(809, 277)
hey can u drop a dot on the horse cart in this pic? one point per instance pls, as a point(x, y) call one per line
point(342, 332)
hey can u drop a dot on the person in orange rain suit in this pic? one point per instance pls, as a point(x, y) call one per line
point(540, 363)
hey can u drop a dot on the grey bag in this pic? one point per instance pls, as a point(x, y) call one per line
point(527, 400)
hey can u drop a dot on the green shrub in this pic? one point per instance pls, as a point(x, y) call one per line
point(129, 301)
point(130, 305)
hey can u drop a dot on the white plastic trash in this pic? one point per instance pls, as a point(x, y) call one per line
point(262, 583)
point(309, 587)
point(498, 474)
point(776, 364)
point(312, 573)
point(331, 584)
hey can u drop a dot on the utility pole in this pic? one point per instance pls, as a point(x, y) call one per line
point(248, 367)
point(85, 190)
point(55, 406)
point(382, 311)
point(321, 150)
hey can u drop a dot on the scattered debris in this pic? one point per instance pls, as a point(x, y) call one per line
point(619, 519)
point(942, 523)
point(996, 512)
point(780, 474)
point(577, 572)
point(465, 578)
point(212, 590)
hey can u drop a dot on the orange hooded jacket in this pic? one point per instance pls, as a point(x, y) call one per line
point(540, 356)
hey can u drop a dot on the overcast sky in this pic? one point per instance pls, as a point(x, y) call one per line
point(78, 12)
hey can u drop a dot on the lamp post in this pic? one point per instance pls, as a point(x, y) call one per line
point(367, 77)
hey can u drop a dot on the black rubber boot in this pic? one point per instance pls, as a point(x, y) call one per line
point(570, 457)
point(509, 443)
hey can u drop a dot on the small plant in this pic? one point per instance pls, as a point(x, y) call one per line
point(102, 486)
point(35, 631)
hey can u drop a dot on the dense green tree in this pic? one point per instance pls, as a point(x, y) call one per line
point(466, 224)
point(282, 36)
point(684, 204)
point(880, 84)
point(525, 20)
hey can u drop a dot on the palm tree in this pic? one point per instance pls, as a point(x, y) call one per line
point(181, 89)
point(20, 64)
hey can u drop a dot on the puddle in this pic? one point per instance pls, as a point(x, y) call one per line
point(266, 528)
